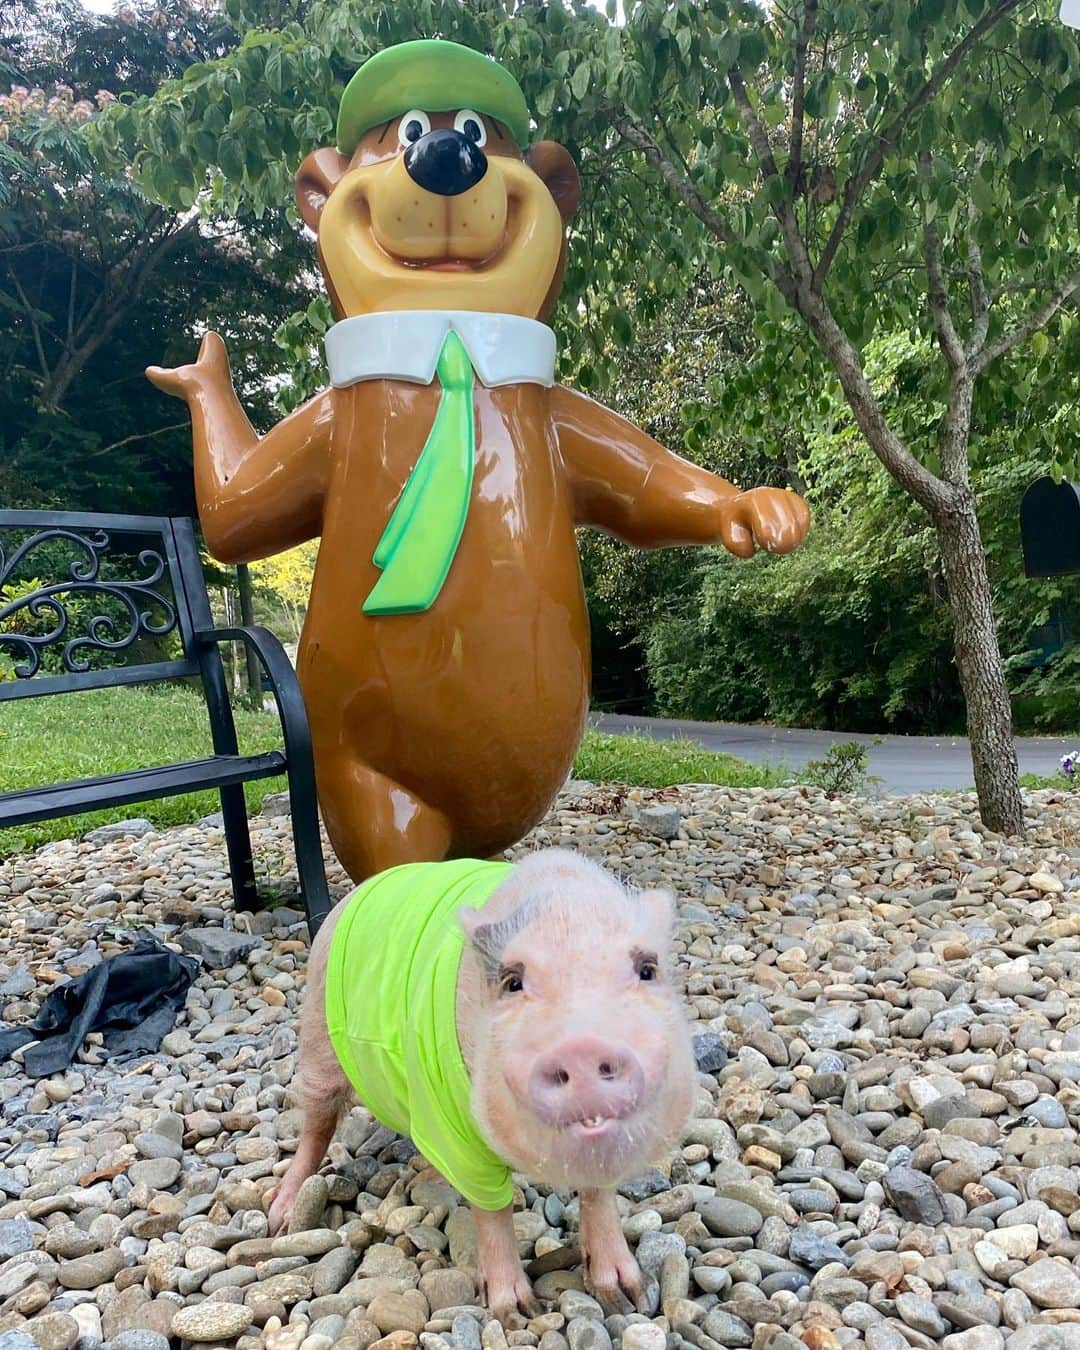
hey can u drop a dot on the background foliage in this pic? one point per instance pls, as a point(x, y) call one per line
point(181, 124)
point(97, 280)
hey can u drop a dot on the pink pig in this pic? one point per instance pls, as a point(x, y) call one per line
point(575, 1057)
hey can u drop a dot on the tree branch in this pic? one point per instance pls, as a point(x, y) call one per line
point(927, 489)
point(1010, 287)
point(672, 145)
point(980, 304)
point(797, 288)
point(935, 283)
point(798, 94)
point(858, 183)
point(94, 330)
point(784, 211)
point(35, 327)
point(954, 431)
point(1022, 332)
point(686, 192)
point(139, 436)
point(71, 298)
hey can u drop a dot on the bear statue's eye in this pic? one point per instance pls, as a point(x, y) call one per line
point(471, 126)
point(412, 126)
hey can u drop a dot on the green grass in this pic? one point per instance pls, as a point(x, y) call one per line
point(641, 762)
point(84, 735)
point(1054, 780)
point(52, 740)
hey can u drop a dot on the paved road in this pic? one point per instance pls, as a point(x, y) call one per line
point(903, 763)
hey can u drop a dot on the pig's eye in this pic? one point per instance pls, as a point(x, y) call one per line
point(646, 965)
point(511, 980)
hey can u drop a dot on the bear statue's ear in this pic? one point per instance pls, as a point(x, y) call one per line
point(555, 167)
point(316, 178)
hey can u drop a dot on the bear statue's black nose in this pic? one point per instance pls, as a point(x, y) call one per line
point(445, 162)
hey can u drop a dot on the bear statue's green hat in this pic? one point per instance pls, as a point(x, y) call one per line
point(435, 76)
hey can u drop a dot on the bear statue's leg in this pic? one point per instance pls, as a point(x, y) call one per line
point(373, 822)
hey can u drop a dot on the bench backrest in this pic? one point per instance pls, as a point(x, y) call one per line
point(80, 594)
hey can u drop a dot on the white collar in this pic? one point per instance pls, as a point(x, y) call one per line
point(405, 344)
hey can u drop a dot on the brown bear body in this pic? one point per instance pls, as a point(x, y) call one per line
point(475, 707)
point(448, 731)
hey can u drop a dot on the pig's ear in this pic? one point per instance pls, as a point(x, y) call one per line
point(658, 909)
point(482, 937)
point(470, 920)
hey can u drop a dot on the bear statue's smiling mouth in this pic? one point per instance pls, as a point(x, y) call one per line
point(445, 261)
point(444, 264)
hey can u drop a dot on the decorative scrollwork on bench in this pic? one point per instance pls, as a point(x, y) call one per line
point(139, 609)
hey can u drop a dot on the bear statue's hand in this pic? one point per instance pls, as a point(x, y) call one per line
point(768, 518)
point(210, 368)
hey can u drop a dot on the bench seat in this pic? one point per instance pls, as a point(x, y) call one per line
point(101, 601)
point(138, 785)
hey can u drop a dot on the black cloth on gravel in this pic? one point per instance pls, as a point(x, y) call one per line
point(133, 998)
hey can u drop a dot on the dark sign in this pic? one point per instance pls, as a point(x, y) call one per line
point(1050, 528)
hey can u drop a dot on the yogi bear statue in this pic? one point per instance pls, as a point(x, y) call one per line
point(445, 655)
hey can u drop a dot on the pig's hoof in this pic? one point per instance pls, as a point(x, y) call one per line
point(618, 1286)
point(611, 1298)
point(509, 1300)
point(281, 1209)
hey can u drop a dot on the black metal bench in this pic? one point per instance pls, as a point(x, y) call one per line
point(143, 577)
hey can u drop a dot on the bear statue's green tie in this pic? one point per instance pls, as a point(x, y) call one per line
point(422, 535)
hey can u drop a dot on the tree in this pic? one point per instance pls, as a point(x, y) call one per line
point(858, 167)
point(93, 274)
point(287, 576)
point(664, 383)
point(854, 631)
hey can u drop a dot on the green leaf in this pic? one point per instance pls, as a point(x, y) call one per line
point(579, 82)
point(726, 49)
point(1068, 99)
point(272, 70)
point(982, 194)
point(231, 157)
point(621, 326)
point(1025, 174)
point(752, 49)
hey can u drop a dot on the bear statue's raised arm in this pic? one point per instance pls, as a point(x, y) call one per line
point(257, 495)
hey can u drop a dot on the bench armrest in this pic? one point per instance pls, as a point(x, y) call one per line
point(284, 684)
point(300, 767)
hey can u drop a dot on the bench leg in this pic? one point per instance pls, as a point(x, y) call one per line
point(307, 841)
point(238, 843)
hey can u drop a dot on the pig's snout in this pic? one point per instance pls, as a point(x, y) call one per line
point(585, 1080)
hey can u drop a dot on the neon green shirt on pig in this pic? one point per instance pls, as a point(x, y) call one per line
point(391, 991)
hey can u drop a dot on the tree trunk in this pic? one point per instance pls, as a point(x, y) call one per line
point(979, 664)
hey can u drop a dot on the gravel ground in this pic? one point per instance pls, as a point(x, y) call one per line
point(886, 1001)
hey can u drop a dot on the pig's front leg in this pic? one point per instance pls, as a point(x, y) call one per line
point(609, 1263)
point(504, 1282)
